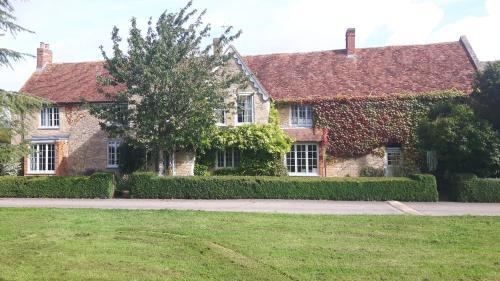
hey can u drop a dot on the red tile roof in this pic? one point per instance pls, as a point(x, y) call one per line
point(372, 72)
point(303, 76)
point(66, 82)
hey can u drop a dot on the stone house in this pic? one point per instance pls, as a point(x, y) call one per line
point(67, 140)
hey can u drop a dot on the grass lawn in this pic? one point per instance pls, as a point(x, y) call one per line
point(86, 244)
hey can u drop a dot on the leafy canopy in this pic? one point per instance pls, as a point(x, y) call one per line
point(165, 87)
point(463, 142)
point(486, 95)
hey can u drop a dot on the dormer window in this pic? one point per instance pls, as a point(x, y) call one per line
point(245, 108)
point(301, 116)
point(49, 117)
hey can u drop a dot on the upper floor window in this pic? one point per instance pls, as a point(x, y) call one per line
point(42, 158)
point(302, 116)
point(245, 108)
point(49, 117)
point(228, 158)
point(113, 153)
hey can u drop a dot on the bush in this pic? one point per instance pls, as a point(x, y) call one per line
point(470, 188)
point(414, 188)
point(200, 170)
point(98, 185)
point(371, 172)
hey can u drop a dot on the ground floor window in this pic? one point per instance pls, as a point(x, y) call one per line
point(113, 153)
point(302, 159)
point(228, 158)
point(42, 158)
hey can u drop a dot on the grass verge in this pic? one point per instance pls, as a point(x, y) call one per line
point(86, 244)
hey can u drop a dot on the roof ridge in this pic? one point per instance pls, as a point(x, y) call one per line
point(337, 50)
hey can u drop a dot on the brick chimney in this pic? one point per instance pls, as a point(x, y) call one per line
point(217, 46)
point(350, 41)
point(43, 56)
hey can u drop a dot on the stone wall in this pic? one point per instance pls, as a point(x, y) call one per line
point(342, 167)
point(284, 115)
point(261, 106)
point(184, 163)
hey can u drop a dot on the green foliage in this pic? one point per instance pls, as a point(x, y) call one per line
point(463, 143)
point(131, 157)
point(98, 185)
point(470, 188)
point(357, 126)
point(13, 108)
point(268, 138)
point(200, 170)
point(486, 95)
point(415, 188)
point(371, 172)
point(165, 88)
point(262, 147)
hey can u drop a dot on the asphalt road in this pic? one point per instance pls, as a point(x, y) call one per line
point(270, 206)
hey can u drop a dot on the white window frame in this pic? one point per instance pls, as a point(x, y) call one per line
point(46, 171)
point(305, 124)
point(307, 174)
point(225, 166)
point(245, 94)
point(115, 144)
point(49, 114)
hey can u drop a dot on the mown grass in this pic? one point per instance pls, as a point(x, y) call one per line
point(85, 244)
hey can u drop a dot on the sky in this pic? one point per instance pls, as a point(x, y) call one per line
point(76, 28)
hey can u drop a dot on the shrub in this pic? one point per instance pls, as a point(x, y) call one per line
point(470, 188)
point(368, 171)
point(414, 188)
point(200, 170)
point(98, 185)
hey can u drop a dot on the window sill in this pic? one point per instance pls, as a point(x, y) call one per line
point(48, 128)
point(40, 173)
point(303, 174)
point(112, 167)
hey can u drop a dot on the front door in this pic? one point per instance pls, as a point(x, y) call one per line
point(393, 159)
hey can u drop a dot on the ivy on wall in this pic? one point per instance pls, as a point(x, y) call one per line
point(357, 126)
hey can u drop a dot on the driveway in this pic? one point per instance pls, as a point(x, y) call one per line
point(269, 206)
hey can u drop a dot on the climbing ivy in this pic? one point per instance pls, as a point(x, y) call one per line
point(357, 126)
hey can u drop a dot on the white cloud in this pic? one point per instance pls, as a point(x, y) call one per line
point(482, 32)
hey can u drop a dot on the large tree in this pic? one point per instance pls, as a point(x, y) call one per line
point(463, 142)
point(165, 88)
point(13, 106)
point(486, 95)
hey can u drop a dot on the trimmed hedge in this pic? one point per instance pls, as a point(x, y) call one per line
point(470, 188)
point(98, 185)
point(414, 188)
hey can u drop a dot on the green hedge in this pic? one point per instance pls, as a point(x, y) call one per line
point(98, 185)
point(470, 188)
point(414, 188)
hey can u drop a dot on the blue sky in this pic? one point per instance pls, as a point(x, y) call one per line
point(76, 28)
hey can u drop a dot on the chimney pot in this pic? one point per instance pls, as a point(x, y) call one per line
point(43, 56)
point(350, 42)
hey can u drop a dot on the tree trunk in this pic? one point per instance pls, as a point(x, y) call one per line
point(171, 163)
point(161, 162)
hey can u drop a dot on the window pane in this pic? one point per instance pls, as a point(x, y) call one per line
point(220, 159)
point(245, 109)
point(301, 115)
